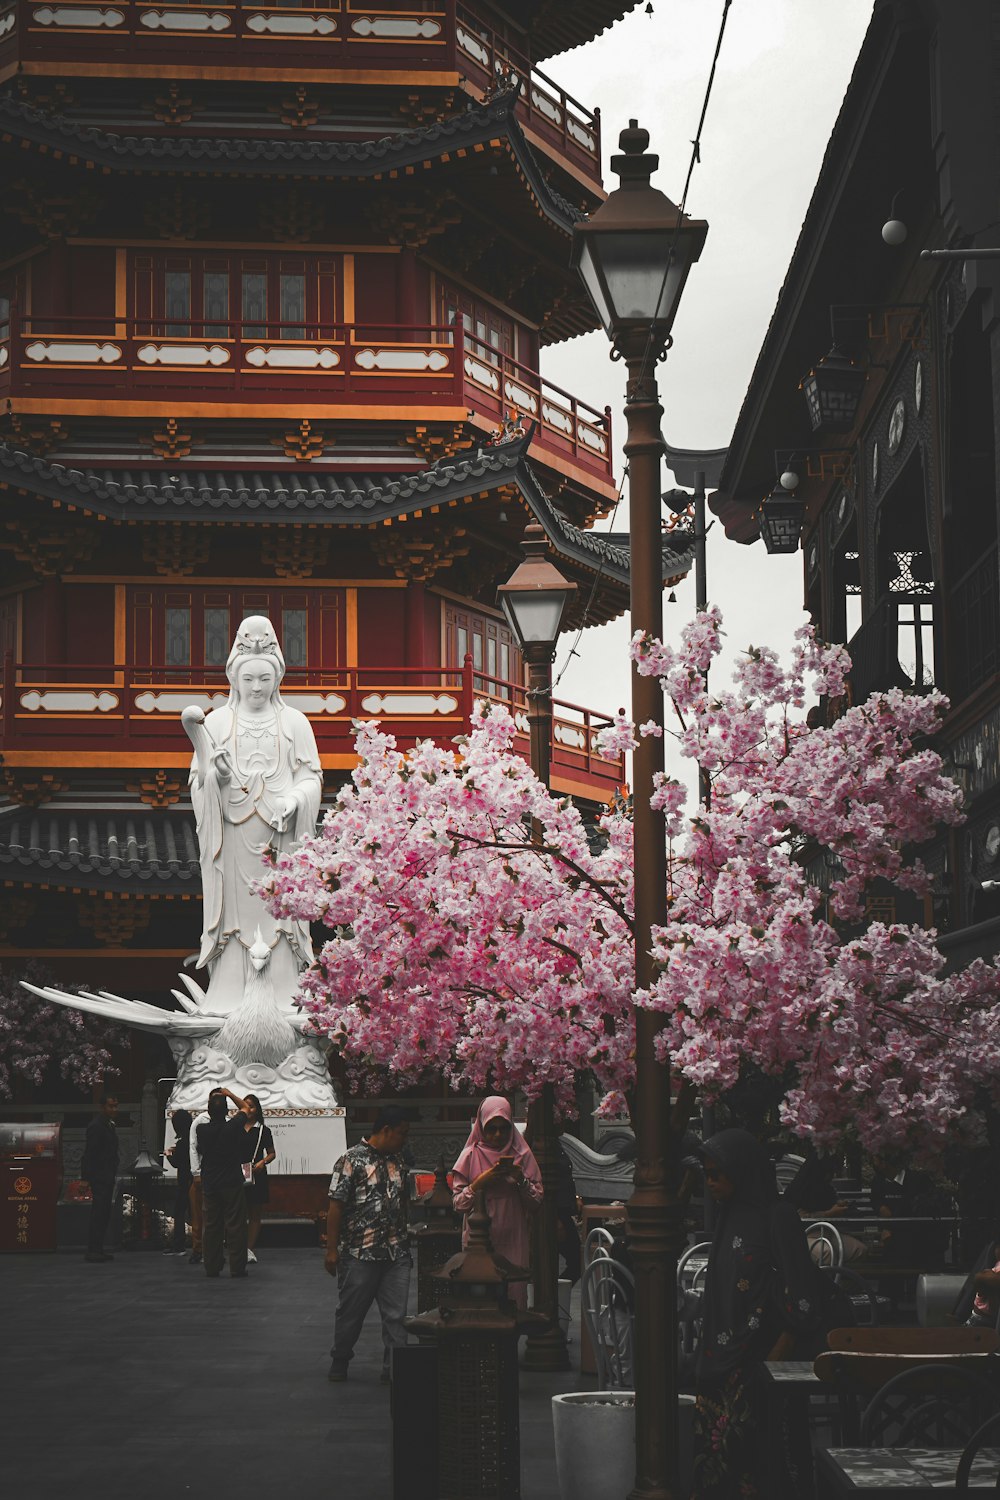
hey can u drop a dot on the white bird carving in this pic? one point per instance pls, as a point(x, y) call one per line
point(261, 1030)
point(256, 1031)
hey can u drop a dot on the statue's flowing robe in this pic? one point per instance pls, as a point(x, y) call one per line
point(234, 832)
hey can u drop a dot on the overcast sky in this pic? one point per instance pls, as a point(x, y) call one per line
point(783, 71)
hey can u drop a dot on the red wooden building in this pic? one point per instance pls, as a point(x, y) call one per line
point(272, 279)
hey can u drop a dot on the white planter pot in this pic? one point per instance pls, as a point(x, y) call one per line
point(595, 1443)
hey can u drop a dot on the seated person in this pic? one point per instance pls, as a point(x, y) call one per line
point(979, 1303)
point(811, 1191)
point(909, 1194)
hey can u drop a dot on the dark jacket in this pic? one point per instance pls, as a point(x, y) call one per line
point(100, 1151)
point(180, 1151)
point(223, 1148)
point(760, 1280)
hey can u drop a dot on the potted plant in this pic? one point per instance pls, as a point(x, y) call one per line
point(595, 1443)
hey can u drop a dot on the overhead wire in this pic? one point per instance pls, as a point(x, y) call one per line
point(695, 160)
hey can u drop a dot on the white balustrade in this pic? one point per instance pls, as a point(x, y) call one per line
point(424, 704)
point(291, 23)
point(185, 20)
point(156, 702)
point(409, 361)
point(65, 352)
point(196, 355)
point(78, 17)
point(291, 357)
point(50, 701)
point(396, 28)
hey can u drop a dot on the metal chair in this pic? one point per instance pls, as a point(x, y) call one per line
point(693, 1261)
point(988, 1434)
point(929, 1406)
point(692, 1269)
point(607, 1300)
point(786, 1169)
point(599, 1242)
point(826, 1245)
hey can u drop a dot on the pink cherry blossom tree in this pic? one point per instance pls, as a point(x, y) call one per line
point(476, 933)
point(34, 1037)
point(761, 966)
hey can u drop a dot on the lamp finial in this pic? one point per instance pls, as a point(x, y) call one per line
point(635, 166)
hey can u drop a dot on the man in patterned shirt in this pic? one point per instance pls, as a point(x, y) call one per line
point(367, 1244)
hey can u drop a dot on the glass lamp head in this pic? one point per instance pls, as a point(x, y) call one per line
point(535, 597)
point(634, 253)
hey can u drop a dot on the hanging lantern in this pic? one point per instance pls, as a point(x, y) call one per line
point(833, 392)
point(781, 516)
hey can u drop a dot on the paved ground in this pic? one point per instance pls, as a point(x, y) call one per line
point(142, 1377)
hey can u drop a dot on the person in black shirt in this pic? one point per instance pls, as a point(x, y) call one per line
point(910, 1195)
point(180, 1159)
point(260, 1151)
point(762, 1295)
point(222, 1144)
point(100, 1168)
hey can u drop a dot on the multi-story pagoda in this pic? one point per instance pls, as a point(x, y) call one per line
point(274, 286)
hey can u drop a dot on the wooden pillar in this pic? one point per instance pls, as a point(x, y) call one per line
point(54, 626)
point(415, 624)
point(406, 289)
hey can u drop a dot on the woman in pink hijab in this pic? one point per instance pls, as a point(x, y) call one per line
point(498, 1159)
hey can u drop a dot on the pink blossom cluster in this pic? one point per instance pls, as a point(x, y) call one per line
point(33, 1037)
point(757, 962)
point(474, 930)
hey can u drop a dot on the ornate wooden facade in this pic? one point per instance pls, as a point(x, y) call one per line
point(274, 287)
point(903, 516)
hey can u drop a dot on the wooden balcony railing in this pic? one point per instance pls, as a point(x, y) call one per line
point(363, 367)
point(446, 43)
point(127, 710)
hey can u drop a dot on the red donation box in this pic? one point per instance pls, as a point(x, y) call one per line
point(31, 1167)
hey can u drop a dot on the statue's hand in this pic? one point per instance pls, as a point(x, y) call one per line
point(222, 764)
point(285, 811)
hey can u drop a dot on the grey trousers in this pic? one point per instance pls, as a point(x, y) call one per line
point(225, 1217)
point(362, 1282)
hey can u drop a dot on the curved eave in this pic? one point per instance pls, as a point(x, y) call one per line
point(555, 26)
point(478, 126)
point(370, 501)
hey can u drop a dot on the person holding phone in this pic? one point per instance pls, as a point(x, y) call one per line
point(498, 1160)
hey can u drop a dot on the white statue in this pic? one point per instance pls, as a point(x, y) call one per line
point(256, 783)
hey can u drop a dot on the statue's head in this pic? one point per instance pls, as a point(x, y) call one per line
point(255, 663)
point(255, 680)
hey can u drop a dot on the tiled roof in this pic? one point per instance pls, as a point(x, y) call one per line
point(156, 851)
point(476, 125)
point(556, 26)
point(156, 494)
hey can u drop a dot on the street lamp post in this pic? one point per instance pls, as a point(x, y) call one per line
point(534, 601)
point(634, 255)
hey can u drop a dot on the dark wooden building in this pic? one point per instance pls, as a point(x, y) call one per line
point(894, 433)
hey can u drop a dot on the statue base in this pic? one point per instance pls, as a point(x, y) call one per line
point(307, 1142)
